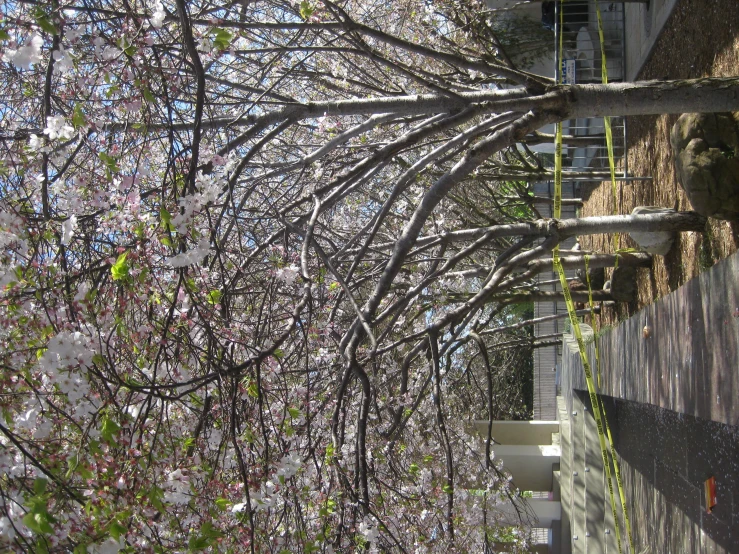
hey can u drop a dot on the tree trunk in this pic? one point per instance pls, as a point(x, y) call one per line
point(524, 2)
point(566, 228)
point(570, 140)
point(720, 94)
point(549, 296)
point(535, 345)
point(545, 200)
point(654, 97)
point(672, 222)
point(549, 176)
point(638, 259)
point(536, 321)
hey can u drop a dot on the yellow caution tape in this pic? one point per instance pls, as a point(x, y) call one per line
point(557, 210)
point(607, 120)
point(594, 402)
point(619, 482)
point(597, 408)
point(616, 465)
point(592, 317)
point(614, 193)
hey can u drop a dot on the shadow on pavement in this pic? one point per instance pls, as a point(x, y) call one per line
point(666, 457)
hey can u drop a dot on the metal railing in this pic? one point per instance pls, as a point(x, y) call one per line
point(584, 144)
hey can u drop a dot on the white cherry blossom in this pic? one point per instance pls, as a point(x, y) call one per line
point(26, 56)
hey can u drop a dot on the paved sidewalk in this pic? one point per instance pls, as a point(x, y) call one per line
point(665, 458)
point(690, 363)
point(673, 405)
point(643, 23)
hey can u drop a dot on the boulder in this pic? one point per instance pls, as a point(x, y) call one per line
point(587, 333)
point(706, 153)
point(623, 283)
point(597, 277)
point(656, 242)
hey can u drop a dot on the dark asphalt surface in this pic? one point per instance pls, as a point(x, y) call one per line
point(666, 456)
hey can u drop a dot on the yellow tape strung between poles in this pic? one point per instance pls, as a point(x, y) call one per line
point(594, 401)
point(619, 482)
point(607, 120)
point(592, 317)
point(596, 406)
point(614, 192)
point(616, 465)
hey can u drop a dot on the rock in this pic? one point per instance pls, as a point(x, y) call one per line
point(657, 242)
point(597, 277)
point(587, 336)
point(577, 285)
point(706, 152)
point(623, 283)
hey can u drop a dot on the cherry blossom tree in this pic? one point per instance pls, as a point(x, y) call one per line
point(249, 250)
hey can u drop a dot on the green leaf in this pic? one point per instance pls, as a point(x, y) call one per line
point(329, 453)
point(119, 270)
point(109, 429)
point(75, 466)
point(111, 164)
point(249, 436)
point(41, 546)
point(294, 412)
point(116, 529)
point(30, 520)
point(222, 504)
point(148, 96)
point(155, 497)
point(133, 383)
point(214, 297)
point(165, 216)
point(222, 39)
point(78, 118)
point(209, 531)
point(39, 522)
point(191, 285)
point(198, 543)
point(43, 20)
point(39, 486)
point(306, 10)
point(94, 447)
point(208, 535)
point(4, 34)
point(128, 49)
point(111, 91)
point(72, 462)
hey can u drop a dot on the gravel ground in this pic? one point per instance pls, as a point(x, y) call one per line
point(701, 39)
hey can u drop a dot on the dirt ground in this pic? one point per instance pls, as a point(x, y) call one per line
point(701, 39)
